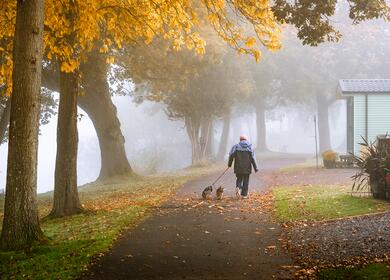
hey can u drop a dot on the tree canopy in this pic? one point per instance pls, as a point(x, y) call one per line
point(73, 28)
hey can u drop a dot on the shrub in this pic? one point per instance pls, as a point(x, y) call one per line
point(329, 155)
point(374, 165)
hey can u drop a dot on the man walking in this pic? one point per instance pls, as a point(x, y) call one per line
point(244, 158)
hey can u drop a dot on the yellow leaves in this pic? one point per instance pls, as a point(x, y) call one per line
point(250, 42)
point(74, 28)
point(190, 43)
point(263, 13)
point(7, 29)
point(201, 49)
point(6, 72)
point(177, 43)
point(217, 5)
point(241, 51)
point(148, 36)
point(256, 12)
point(213, 18)
point(69, 66)
point(110, 60)
point(257, 55)
point(104, 49)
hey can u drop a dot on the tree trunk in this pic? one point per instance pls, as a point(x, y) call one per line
point(224, 137)
point(323, 123)
point(97, 103)
point(209, 152)
point(196, 151)
point(95, 100)
point(193, 128)
point(21, 222)
point(205, 131)
point(261, 128)
point(66, 200)
point(4, 120)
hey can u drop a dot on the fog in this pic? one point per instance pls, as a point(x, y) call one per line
point(156, 144)
point(292, 86)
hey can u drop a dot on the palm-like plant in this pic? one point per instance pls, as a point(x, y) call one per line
point(374, 165)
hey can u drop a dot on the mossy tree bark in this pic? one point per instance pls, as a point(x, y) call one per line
point(21, 223)
point(66, 200)
point(97, 103)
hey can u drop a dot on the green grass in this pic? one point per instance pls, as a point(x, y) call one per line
point(372, 271)
point(297, 203)
point(73, 242)
point(314, 203)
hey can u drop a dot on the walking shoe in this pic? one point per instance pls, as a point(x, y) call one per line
point(244, 197)
point(238, 192)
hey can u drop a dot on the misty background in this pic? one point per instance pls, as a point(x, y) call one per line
point(154, 141)
point(299, 75)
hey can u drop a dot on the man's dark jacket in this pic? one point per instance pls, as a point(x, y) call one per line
point(244, 158)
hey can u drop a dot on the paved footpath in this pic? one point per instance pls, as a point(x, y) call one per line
point(188, 238)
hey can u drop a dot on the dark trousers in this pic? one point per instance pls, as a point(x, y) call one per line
point(242, 183)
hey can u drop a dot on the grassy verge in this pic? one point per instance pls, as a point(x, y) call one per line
point(313, 203)
point(372, 271)
point(75, 241)
point(297, 203)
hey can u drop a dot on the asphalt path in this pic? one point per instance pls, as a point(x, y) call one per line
point(188, 238)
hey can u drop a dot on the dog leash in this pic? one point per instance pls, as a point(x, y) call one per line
point(220, 176)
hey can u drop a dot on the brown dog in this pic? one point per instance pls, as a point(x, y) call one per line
point(220, 192)
point(206, 194)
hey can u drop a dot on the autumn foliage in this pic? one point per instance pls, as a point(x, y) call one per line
point(74, 28)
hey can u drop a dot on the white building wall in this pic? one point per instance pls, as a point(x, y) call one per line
point(359, 121)
point(378, 117)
